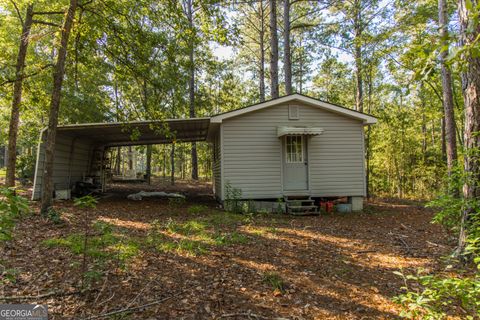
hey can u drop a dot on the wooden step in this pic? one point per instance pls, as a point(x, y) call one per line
point(305, 213)
point(302, 207)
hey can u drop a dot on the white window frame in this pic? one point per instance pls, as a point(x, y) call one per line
point(302, 149)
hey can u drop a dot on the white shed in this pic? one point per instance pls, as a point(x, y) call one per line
point(293, 145)
point(290, 146)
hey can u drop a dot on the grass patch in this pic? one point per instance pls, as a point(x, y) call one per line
point(226, 239)
point(103, 246)
point(195, 236)
point(197, 209)
point(183, 246)
point(275, 281)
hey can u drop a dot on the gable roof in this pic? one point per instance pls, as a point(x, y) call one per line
point(365, 118)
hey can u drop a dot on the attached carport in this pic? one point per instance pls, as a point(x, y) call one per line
point(79, 148)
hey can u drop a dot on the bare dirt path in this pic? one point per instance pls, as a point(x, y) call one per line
point(337, 266)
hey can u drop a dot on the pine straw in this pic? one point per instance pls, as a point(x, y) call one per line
point(338, 266)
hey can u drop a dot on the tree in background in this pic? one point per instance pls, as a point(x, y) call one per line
point(17, 94)
point(468, 12)
point(59, 71)
point(274, 89)
point(254, 41)
point(450, 135)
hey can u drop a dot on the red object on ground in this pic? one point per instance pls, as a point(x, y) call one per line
point(326, 206)
point(329, 206)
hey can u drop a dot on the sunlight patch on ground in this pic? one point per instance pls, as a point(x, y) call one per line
point(364, 296)
point(125, 223)
point(260, 267)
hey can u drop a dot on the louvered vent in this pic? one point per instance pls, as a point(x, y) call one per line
point(293, 113)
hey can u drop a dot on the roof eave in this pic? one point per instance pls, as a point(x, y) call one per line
point(365, 118)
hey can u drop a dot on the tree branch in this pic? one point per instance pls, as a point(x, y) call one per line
point(46, 23)
point(27, 75)
point(18, 12)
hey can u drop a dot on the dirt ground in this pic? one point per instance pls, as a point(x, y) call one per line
point(192, 261)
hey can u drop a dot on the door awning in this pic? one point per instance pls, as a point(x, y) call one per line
point(305, 131)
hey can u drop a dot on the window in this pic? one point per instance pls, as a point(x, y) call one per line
point(294, 146)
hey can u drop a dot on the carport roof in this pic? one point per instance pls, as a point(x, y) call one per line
point(140, 132)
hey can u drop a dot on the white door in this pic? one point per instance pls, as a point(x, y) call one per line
point(295, 165)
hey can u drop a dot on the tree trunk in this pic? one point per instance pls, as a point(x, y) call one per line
point(358, 56)
point(164, 162)
point(273, 50)
point(191, 89)
point(172, 165)
point(148, 169)
point(471, 95)
point(130, 158)
point(449, 116)
point(17, 98)
point(443, 140)
point(287, 63)
point(118, 160)
point(261, 77)
point(55, 107)
point(117, 109)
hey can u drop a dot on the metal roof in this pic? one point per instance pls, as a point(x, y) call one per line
point(140, 132)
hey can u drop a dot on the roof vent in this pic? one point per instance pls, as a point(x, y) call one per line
point(293, 113)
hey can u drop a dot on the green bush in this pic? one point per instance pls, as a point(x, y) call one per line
point(25, 166)
point(436, 295)
point(12, 207)
point(54, 216)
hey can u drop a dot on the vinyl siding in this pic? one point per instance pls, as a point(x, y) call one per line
point(217, 166)
point(252, 153)
point(66, 170)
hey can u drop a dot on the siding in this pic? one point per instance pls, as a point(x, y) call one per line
point(217, 166)
point(68, 166)
point(252, 153)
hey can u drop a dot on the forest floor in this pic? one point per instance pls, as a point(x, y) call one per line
point(190, 260)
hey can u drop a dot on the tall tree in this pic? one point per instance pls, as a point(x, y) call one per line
point(358, 26)
point(261, 37)
point(55, 107)
point(287, 57)
point(189, 11)
point(449, 115)
point(17, 97)
point(254, 41)
point(274, 90)
point(469, 35)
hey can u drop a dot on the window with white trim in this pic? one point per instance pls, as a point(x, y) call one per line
point(294, 149)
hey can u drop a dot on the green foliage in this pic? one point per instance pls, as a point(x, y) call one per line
point(176, 202)
point(86, 202)
point(7, 275)
point(434, 296)
point(232, 198)
point(104, 246)
point(54, 216)
point(25, 166)
point(197, 209)
point(12, 207)
point(195, 236)
point(275, 281)
point(450, 204)
point(229, 238)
